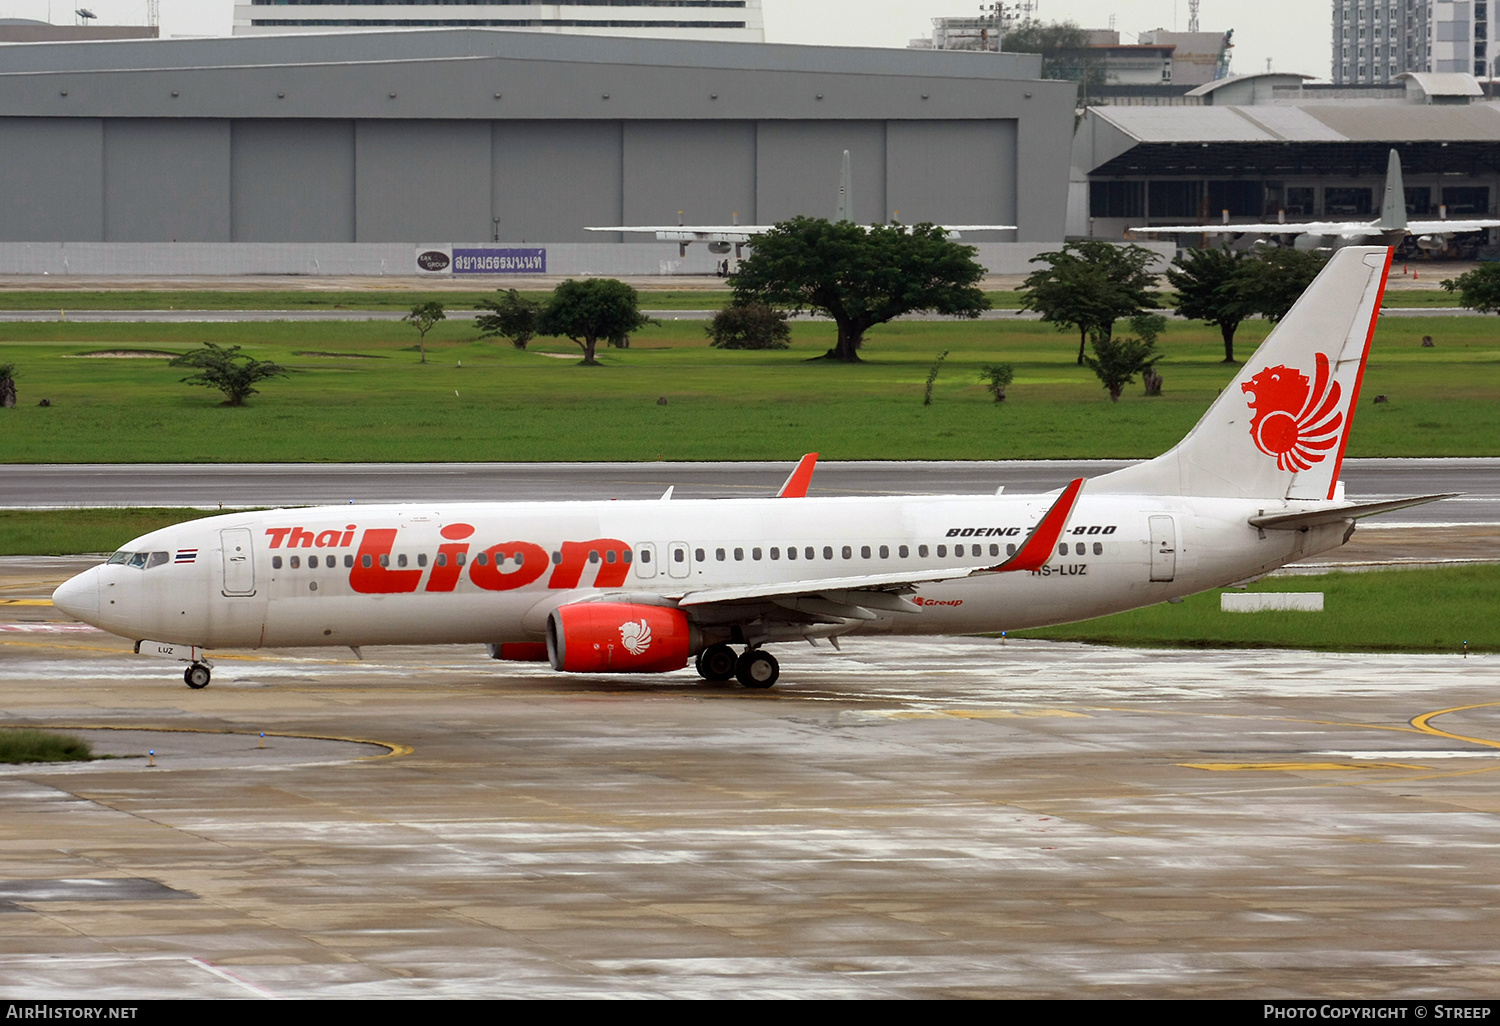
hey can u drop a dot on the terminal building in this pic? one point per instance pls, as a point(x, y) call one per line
point(472, 135)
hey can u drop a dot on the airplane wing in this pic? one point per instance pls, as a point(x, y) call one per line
point(858, 594)
point(1344, 229)
point(1447, 227)
point(745, 232)
point(692, 232)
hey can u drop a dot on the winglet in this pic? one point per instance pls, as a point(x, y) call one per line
point(796, 485)
point(1039, 545)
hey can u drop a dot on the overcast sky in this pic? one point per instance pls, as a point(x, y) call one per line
point(1293, 34)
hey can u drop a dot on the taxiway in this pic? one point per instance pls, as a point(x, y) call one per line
point(900, 819)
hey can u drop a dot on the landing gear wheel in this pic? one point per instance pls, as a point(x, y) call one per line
point(717, 663)
point(757, 669)
point(196, 676)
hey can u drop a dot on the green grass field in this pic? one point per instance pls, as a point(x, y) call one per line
point(394, 298)
point(357, 392)
point(1427, 610)
point(66, 532)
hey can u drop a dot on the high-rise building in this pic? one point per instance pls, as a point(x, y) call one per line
point(723, 20)
point(1376, 40)
point(1461, 37)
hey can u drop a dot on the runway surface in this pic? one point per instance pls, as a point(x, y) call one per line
point(242, 485)
point(939, 818)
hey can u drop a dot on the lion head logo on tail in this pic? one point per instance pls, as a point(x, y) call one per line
point(1295, 421)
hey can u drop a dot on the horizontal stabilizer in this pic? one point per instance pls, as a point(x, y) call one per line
point(1332, 515)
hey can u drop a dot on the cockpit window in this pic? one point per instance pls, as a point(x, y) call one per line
point(118, 558)
point(138, 560)
point(157, 559)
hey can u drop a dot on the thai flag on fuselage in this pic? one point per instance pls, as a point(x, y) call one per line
point(187, 556)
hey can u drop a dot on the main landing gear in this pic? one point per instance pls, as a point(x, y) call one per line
point(197, 676)
point(754, 669)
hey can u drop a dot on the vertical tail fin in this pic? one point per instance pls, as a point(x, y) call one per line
point(1393, 207)
point(845, 210)
point(1280, 428)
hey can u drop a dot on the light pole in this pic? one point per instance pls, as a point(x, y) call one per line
point(991, 17)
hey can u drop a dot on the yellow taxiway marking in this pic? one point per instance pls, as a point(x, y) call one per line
point(1298, 767)
point(392, 748)
point(981, 714)
point(25, 602)
point(1424, 724)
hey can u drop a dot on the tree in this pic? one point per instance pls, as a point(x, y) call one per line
point(1274, 279)
point(1118, 360)
point(1089, 285)
point(996, 377)
point(1478, 289)
point(860, 277)
point(514, 317)
point(1065, 54)
point(749, 326)
point(422, 317)
point(7, 385)
point(590, 310)
point(228, 370)
point(1206, 290)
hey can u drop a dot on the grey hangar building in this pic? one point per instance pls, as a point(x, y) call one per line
point(1261, 147)
point(342, 153)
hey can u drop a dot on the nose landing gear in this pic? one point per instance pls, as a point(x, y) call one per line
point(197, 676)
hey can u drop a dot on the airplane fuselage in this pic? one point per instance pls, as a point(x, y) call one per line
point(492, 572)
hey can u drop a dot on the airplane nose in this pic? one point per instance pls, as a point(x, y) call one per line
point(79, 596)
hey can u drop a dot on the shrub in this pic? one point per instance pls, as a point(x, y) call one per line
point(749, 326)
point(996, 376)
point(41, 746)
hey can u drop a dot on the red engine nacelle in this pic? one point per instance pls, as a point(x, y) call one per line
point(617, 637)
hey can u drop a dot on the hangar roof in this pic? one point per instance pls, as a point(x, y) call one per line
point(502, 74)
point(1309, 139)
point(1332, 122)
point(511, 44)
point(1445, 83)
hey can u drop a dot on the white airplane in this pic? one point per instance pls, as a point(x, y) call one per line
point(721, 238)
point(647, 586)
point(1391, 227)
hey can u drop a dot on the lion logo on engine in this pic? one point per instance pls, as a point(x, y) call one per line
point(636, 636)
point(1295, 420)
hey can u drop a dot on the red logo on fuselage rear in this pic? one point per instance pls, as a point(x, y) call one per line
point(1295, 421)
